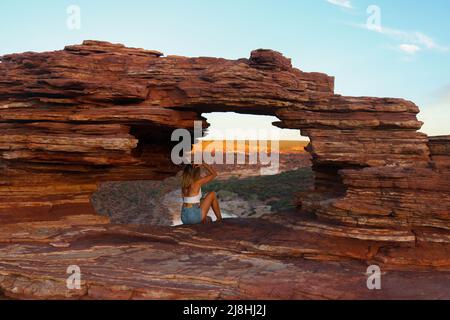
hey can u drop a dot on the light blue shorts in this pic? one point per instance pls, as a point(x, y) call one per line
point(191, 215)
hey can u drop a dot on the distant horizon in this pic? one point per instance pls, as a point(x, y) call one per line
point(284, 146)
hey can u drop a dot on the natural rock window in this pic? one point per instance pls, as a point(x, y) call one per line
point(380, 194)
point(242, 191)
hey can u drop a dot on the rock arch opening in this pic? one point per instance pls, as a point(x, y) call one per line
point(249, 134)
point(63, 135)
point(247, 188)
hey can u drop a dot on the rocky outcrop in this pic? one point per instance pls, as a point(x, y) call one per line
point(278, 258)
point(103, 112)
point(99, 112)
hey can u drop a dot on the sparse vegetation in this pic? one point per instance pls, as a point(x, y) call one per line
point(277, 191)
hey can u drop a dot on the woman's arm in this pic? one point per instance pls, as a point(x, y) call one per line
point(211, 176)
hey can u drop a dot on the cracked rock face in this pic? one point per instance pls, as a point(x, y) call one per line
point(104, 112)
point(281, 257)
point(100, 112)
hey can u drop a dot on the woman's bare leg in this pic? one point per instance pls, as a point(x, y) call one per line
point(210, 201)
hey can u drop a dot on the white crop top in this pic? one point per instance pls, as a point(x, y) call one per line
point(194, 199)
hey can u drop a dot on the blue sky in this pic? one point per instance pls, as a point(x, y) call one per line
point(407, 55)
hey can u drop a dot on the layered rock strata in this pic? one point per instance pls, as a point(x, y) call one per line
point(98, 112)
point(72, 119)
point(281, 257)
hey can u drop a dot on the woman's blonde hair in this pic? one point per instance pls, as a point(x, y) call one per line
point(190, 175)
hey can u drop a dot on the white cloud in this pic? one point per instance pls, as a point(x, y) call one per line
point(341, 3)
point(410, 41)
point(414, 38)
point(409, 48)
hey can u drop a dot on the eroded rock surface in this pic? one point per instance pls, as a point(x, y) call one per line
point(100, 112)
point(103, 112)
point(281, 257)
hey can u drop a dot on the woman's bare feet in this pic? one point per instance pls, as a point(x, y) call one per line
point(207, 220)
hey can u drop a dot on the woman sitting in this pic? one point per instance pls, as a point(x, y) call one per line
point(195, 210)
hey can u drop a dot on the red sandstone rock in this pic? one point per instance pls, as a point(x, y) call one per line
point(102, 112)
point(99, 112)
point(281, 257)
